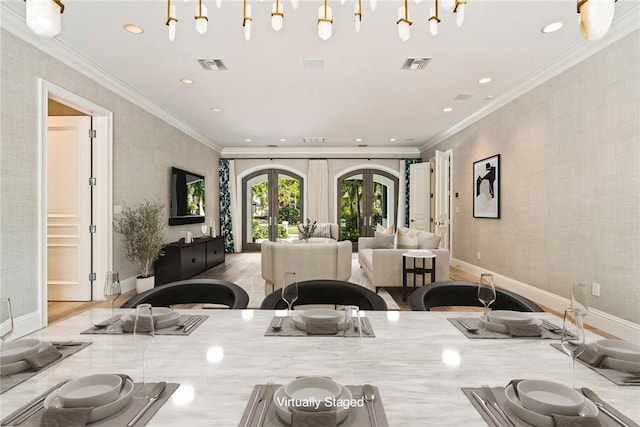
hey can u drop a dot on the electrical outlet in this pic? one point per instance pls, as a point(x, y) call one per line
point(595, 289)
point(478, 256)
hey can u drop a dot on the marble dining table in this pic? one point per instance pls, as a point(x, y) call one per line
point(418, 361)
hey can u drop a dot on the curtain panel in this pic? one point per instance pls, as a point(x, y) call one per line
point(407, 183)
point(226, 205)
point(318, 187)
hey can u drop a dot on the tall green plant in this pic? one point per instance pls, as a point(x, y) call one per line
point(142, 230)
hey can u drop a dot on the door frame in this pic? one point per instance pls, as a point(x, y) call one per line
point(103, 192)
point(448, 198)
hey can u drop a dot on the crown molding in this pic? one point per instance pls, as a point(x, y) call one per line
point(621, 27)
point(15, 24)
point(321, 152)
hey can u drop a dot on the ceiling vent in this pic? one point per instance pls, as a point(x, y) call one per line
point(313, 63)
point(313, 139)
point(415, 63)
point(463, 97)
point(212, 64)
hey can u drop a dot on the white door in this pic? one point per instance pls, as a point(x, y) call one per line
point(442, 215)
point(419, 196)
point(68, 209)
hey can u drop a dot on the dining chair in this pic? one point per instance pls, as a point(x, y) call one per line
point(193, 291)
point(330, 292)
point(459, 293)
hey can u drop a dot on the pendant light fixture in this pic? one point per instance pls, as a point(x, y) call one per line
point(459, 11)
point(246, 19)
point(357, 15)
point(201, 18)
point(325, 21)
point(44, 17)
point(277, 16)
point(404, 25)
point(595, 17)
point(434, 20)
point(171, 20)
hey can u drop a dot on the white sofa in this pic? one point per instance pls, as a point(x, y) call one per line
point(383, 267)
point(316, 259)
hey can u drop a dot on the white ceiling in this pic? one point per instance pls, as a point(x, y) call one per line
point(266, 95)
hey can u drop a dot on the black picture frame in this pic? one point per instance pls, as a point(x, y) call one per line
point(486, 187)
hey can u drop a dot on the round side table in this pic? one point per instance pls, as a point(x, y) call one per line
point(417, 270)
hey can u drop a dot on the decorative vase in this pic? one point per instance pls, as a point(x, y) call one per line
point(144, 283)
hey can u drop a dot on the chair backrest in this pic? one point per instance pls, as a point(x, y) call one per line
point(211, 291)
point(334, 292)
point(458, 293)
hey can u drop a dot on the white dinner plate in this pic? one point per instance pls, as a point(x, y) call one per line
point(497, 327)
point(21, 365)
point(14, 351)
point(621, 350)
point(621, 365)
point(171, 320)
point(550, 397)
point(322, 314)
point(299, 322)
point(91, 390)
point(536, 419)
point(317, 388)
point(282, 409)
point(99, 412)
point(509, 317)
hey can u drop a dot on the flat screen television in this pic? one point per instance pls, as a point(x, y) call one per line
point(187, 197)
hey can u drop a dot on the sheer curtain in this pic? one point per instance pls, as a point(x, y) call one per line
point(229, 221)
point(318, 191)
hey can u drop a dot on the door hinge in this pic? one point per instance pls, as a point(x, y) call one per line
point(92, 133)
point(92, 228)
point(431, 195)
point(431, 170)
point(92, 181)
point(431, 220)
point(92, 277)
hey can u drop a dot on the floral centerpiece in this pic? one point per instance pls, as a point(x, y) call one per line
point(307, 229)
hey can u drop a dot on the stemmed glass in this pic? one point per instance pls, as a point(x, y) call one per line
point(112, 292)
point(290, 290)
point(6, 319)
point(486, 294)
point(580, 298)
point(573, 342)
point(143, 336)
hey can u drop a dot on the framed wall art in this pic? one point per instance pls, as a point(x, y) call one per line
point(486, 187)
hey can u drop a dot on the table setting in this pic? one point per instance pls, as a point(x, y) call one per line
point(348, 323)
point(314, 401)
point(166, 322)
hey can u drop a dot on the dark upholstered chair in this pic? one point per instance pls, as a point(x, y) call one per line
point(193, 291)
point(465, 294)
point(334, 292)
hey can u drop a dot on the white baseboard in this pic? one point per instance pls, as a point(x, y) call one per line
point(26, 324)
point(606, 322)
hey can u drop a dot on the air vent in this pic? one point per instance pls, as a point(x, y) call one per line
point(313, 139)
point(463, 97)
point(415, 63)
point(313, 63)
point(212, 64)
point(272, 146)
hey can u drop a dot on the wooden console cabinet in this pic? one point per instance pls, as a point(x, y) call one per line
point(181, 261)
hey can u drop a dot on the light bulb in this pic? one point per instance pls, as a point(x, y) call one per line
point(201, 22)
point(324, 25)
point(595, 18)
point(172, 23)
point(433, 22)
point(357, 17)
point(460, 15)
point(44, 17)
point(277, 17)
point(404, 29)
point(247, 23)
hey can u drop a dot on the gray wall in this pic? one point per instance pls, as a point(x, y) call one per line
point(570, 182)
point(145, 148)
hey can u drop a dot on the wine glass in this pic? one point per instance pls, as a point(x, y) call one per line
point(112, 292)
point(486, 294)
point(143, 336)
point(580, 298)
point(290, 289)
point(573, 337)
point(6, 319)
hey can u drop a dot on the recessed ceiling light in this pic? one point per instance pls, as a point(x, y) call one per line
point(362, 145)
point(447, 109)
point(283, 140)
point(484, 80)
point(133, 28)
point(554, 26)
point(187, 81)
point(271, 145)
point(392, 140)
point(216, 110)
point(358, 139)
point(247, 140)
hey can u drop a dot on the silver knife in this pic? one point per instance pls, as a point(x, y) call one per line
point(603, 406)
point(27, 409)
point(268, 397)
point(256, 399)
point(491, 398)
point(484, 405)
point(191, 325)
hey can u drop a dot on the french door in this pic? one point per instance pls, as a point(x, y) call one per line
point(272, 207)
point(366, 198)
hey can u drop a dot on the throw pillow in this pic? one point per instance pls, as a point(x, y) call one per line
point(427, 240)
point(406, 238)
point(323, 230)
point(381, 229)
point(383, 240)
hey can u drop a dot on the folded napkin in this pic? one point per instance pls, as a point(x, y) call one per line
point(567, 421)
point(323, 327)
point(591, 356)
point(144, 325)
point(65, 417)
point(524, 330)
point(301, 418)
point(43, 358)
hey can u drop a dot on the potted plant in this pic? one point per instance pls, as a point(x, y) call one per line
point(142, 230)
point(307, 229)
